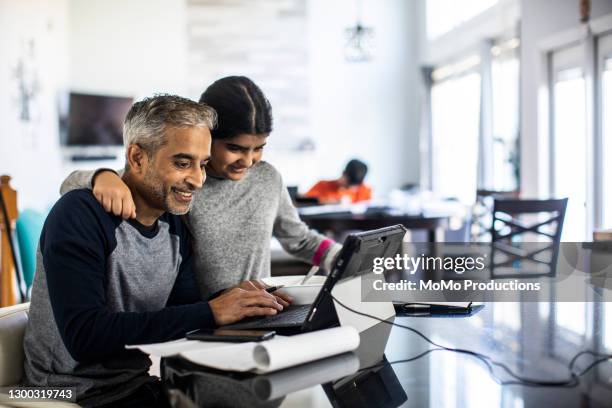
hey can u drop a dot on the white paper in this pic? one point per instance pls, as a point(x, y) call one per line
point(271, 355)
point(172, 348)
point(232, 357)
point(290, 351)
point(280, 383)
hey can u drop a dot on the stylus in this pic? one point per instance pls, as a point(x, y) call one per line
point(434, 309)
point(310, 274)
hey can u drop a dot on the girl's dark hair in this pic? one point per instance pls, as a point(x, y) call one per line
point(241, 107)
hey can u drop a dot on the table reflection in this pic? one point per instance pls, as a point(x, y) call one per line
point(364, 374)
point(375, 386)
point(533, 339)
point(536, 340)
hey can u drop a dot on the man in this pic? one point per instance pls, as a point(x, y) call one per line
point(349, 187)
point(103, 282)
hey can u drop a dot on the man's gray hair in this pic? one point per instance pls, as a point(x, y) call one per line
point(146, 122)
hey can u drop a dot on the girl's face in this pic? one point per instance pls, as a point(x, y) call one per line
point(232, 158)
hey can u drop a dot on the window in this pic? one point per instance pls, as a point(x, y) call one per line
point(505, 86)
point(606, 85)
point(605, 64)
point(569, 139)
point(607, 325)
point(581, 134)
point(445, 15)
point(455, 107)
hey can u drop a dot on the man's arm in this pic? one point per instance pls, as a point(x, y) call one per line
point(75, 243)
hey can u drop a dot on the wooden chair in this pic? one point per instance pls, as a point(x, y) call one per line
point(511, 235)
point(9, 267)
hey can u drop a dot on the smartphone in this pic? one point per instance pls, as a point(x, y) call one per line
point(237, 336)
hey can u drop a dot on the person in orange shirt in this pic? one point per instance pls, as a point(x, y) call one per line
point(348, 188)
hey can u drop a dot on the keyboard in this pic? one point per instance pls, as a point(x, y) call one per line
point(293, 316)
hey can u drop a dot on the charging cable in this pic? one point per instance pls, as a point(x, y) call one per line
point(572, 381)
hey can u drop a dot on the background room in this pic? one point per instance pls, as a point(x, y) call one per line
point(486, 121)
point(450, 98)
point(294, 50)
point(445, 102)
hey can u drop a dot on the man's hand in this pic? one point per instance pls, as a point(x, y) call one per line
point(236, 304)
point(114, 195)
point(254, 284)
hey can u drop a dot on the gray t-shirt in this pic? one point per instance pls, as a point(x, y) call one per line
point(232, 223)
point(103, 283)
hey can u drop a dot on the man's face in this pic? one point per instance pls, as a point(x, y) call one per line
point(232, 158)
point(177, 169)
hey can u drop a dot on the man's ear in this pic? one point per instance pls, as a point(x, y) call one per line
point(137, 158)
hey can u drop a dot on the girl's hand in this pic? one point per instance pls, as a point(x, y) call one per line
point(114, 195)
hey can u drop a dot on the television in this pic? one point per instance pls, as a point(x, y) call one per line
point(95, 120)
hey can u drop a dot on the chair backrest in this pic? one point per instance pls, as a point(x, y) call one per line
point(506, 224)
point(510, 194)
point(29, 227)
point(509, 226)
point(8, 207)
point(13, 320)
point(481, 217)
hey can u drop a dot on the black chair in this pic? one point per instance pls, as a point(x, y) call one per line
point(480, 225)
point(511, 235)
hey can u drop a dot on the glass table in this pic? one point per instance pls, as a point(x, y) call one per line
point(536, 340)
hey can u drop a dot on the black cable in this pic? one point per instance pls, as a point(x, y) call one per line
point(573, 381)
point(495, 378)
point(593, 364)
point(423, 354)
point(485, 359)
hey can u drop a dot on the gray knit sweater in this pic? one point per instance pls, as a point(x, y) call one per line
point(232, 223)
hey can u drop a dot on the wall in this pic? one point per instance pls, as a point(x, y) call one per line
point(34, 33)
point(465, 39)
point(538, 26)
point(136, 48)
point(133, 48)
point(127, 48)
point(367, 110)
point(242, 38)
point(112, 47)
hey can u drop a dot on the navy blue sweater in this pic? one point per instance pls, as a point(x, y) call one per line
point(102, 283)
